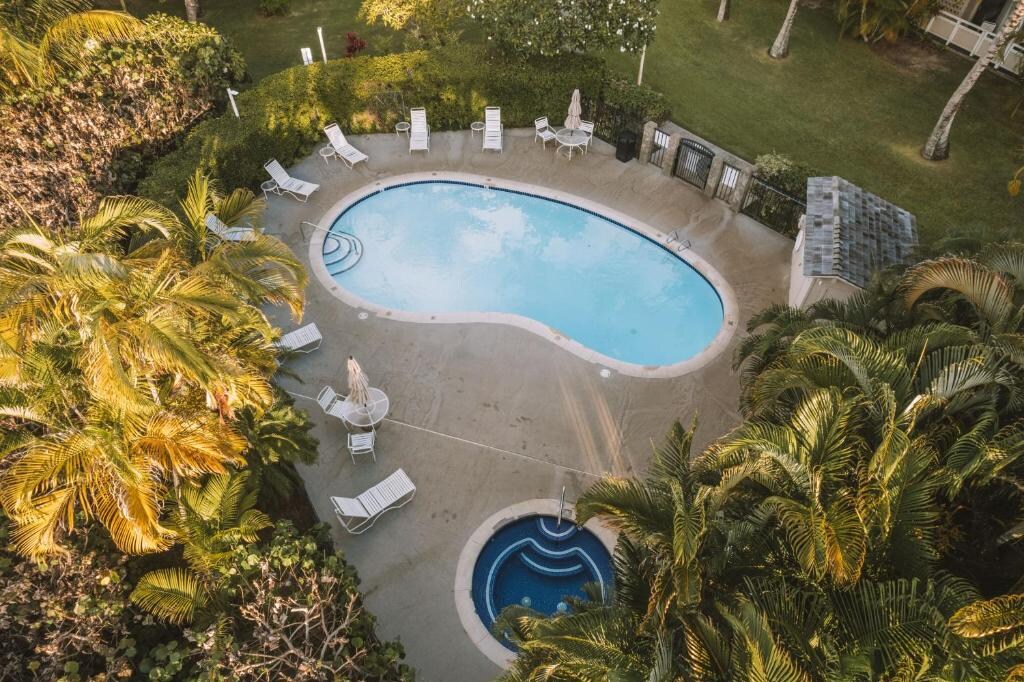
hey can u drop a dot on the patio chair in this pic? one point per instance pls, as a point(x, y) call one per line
point(358, 514)
point(302, 340)
point(300, 189)
point(342, 149)
point(492, 129)
point(543, 131)
point(361, 444)
point(419, 132)
point(229, 234)
point(588, 128)
point(332, 404)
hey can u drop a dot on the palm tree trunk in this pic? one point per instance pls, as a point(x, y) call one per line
point(192, 10)
point(780, 48)
point(937, 146)
point(723, 10)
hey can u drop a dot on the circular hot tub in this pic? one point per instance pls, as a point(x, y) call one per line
point(525, 556)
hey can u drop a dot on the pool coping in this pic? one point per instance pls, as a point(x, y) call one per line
point(726, 295)
point(463, 592)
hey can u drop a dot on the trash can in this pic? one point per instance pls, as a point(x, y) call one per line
point(625, 149)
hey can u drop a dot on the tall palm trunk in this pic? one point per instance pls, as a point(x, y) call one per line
point(780, 48)
point(937, 146)
point(723, 10)
point(192, 10)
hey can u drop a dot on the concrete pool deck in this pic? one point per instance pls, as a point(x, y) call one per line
point(486, 415)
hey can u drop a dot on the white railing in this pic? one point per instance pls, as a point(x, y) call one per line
point(974, 40)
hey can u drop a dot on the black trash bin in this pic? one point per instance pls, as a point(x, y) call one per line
point(625, 149)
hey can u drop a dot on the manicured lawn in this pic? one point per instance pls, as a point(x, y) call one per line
point(270, 44)
point(842, 107)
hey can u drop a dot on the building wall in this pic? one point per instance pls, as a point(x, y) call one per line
point(803, 290)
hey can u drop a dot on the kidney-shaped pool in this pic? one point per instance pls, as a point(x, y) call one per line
point(438, 247)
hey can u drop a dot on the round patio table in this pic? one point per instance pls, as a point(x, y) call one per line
point(476, 127)
point(571, 138)
point(369, 415)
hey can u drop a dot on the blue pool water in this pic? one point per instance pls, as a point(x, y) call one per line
point(534, 563)
point(436, 247)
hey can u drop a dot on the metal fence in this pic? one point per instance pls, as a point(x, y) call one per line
point(611, 119)
point(773, 207)
point(660, 144)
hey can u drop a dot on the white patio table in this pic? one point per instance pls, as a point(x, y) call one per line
point(571, 138)
point(369, 415)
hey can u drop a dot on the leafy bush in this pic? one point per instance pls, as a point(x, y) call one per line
point(550, 27)
point(785, 173)
point(70, 619)
point(282, 117)
point(297, 614)
point(275, 8)
point(206, 60)
point(65, 146)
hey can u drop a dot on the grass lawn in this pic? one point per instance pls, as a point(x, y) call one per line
point(843, 107)
point(839, 105)
point(270, 44)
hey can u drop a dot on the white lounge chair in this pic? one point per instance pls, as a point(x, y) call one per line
point(342, 149)
point(588, 128)
point(300, 189)
point(419, 132)
point(229, 234)
point(543, 131)
point(305, 339)
point(492, 129)
point(332, 404)
point(358, 514)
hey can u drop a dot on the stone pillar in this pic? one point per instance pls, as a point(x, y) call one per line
point(647, 142)
point(668, 162)
point(742, 183)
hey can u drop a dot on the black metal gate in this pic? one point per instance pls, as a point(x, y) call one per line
point(774, 208)
point(694, 163)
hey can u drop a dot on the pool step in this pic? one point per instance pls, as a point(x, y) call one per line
point(342, 252)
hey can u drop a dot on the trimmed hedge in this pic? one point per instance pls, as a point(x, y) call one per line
point(283, 115)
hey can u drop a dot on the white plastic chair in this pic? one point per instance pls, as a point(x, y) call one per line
point(588, 128)
point(332, 404)
point(543, 131)
point(342, 149)
point(492, 129)
point(419, 131)
point(358, 514)
point(361, 444)
point(229, 234)
point(305, 339)
point(300, 189)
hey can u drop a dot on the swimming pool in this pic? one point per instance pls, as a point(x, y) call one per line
point(536, 563)
point(448, 249)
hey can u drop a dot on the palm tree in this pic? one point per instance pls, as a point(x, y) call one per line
point(936, 147)
point(210, 520)
point(124, 367)
point(780, 48)
point(40, 39)
point(723, 10)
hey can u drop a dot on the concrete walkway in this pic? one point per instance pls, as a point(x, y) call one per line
point(483, 415)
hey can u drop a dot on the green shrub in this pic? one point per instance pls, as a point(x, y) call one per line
point(784, 173)
point(283, 116)
point(275, 8)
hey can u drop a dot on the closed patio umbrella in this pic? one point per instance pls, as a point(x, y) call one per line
point(572, 121)
point(364, 406)
point(358, 384)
